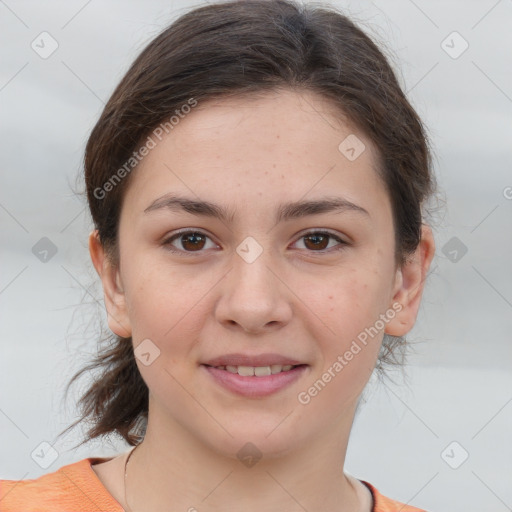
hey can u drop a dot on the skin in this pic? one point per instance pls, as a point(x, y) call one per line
point(250, 155)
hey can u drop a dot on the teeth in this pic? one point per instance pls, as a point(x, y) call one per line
point(258, 371)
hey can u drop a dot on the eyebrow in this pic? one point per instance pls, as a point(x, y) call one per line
point(286, 211)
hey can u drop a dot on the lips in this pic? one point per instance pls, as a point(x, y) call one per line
point(254, 386)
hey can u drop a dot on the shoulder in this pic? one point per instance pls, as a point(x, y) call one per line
point(383, 504)
point(72, 487)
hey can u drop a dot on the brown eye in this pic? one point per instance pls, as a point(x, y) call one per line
point(318, 241)
point(193, 241)
point(190, 241)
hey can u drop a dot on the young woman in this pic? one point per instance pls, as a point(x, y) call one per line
point(257, 184)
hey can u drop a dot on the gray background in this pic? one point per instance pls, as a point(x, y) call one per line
point(458, 385)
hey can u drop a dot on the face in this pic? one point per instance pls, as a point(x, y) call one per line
point(304, 286)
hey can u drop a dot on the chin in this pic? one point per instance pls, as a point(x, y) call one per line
point(251, 442)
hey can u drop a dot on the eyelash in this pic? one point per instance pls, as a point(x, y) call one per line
point(169, 247)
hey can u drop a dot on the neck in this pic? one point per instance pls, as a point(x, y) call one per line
point(172, 470)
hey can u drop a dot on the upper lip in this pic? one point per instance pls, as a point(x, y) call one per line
point(254, 360)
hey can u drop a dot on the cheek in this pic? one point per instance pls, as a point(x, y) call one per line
point(163, 305)
point(342, 381)
point(348, 303)
point(350, 346)
point(349, 310)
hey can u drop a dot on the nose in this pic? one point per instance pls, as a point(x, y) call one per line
point(254, 296)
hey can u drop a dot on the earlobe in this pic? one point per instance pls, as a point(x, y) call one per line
point(115, 303)
point(409, 285)
point(117, 327)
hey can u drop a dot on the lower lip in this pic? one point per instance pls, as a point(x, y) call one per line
point(255, 386)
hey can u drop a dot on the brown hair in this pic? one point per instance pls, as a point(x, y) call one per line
point(232, 48)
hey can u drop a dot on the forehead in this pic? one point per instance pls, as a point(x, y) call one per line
point(280, 117)
point(276, 146)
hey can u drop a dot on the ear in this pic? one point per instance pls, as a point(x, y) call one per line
point(118, 320)
point(409, 284)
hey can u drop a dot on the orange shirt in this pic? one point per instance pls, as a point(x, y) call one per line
point(76, 487)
